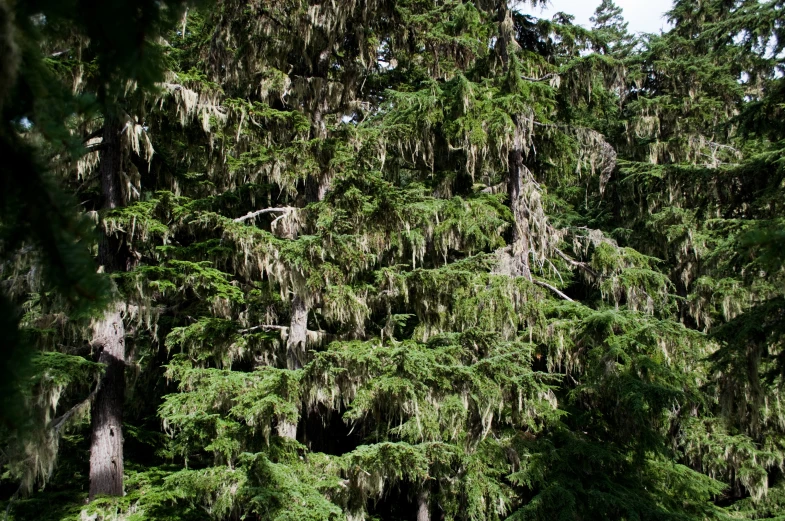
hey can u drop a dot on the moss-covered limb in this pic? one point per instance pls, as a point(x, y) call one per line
point(57, 396)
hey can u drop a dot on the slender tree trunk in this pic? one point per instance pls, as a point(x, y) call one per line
point(314, 190)
point(295, 352)
point(106, 447)
point(298, 334)
point(423, 510)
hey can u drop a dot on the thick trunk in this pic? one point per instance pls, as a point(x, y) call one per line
point(423, 510)
point(106, 448)
point(295, 352)
point(521, 235)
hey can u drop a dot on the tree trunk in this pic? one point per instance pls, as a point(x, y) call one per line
point(423, 511)
point(295, 352)
point(106, 447)
point(521, 235)
point(314, 190)
point(298, 326)
point(298, 334)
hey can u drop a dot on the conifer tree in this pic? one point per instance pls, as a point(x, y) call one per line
point(432, 260)
point(706, 208)
point(610, 29)
point(74, 65)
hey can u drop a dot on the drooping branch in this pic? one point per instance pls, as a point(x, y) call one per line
point(251, 215)
point(543, 78)
point(581, 265)
point(552, 288)
point(57, 424)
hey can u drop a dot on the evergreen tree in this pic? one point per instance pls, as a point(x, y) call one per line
point(422, 259)
point(706, 193)
point(73, 68)
point(610, 29)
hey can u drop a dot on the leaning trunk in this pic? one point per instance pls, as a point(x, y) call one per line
point(106, 448)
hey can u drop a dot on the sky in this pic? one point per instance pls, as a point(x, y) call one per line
point(642, 15)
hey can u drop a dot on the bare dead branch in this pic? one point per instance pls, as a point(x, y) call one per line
point(582, 265)
point(548, 286)
point(266, 327)
point(251, 215)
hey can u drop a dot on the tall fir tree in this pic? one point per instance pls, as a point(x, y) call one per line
point(428, 260)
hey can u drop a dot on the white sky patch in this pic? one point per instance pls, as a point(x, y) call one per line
point(644, 16)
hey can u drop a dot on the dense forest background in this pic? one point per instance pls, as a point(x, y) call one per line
point(390, 260)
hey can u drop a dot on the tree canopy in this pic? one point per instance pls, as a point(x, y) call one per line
point(391, 260)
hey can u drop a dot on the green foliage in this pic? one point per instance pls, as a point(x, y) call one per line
point(398, 257)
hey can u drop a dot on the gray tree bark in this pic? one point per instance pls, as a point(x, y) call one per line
point(314, 190)
point(521, 235)
point(423, 510)
point(106, 447)
point(295, 352)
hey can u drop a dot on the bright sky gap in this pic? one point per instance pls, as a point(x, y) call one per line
point(643, 16)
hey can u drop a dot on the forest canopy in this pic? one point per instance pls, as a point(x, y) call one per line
point(386, 260)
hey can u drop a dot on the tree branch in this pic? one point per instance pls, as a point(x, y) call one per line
point(95, 133)
point(266, 12)
point(94, 148)
point(582, 265)
point(546, 285)
point(251, 215)
point(265, 326)
point(86, 182)
point(546, 77)
point(58, 423)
